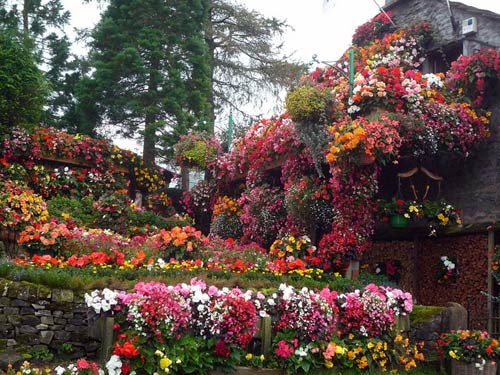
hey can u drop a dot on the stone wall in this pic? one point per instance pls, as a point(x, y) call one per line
point(35, 318)
point(472, 184)
point(449, 28)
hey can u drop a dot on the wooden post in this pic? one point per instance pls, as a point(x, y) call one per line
point(491, 249)
point(184, 179)
point(417, 248)
point(353, 270)
point(106, 335)
point(264, 334)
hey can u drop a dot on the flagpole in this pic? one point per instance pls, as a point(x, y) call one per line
point(230, 131)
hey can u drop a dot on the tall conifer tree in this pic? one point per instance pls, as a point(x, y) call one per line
point(151, 70)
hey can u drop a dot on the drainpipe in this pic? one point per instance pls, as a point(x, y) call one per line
point(452, 19)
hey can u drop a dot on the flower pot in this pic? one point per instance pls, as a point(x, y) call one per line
point(398, 221)
point(464, 368)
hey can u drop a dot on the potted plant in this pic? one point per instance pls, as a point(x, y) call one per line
point(399, 212)
point(470, 351)
point(447, 269)
point(196, 150)
point(441, 213)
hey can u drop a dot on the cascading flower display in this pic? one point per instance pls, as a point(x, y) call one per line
point(20, 206)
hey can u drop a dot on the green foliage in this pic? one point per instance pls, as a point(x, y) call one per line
point(80, 211)
point(23, 89)
point(151, 68)
point(43, 355)
point(145, 219)
point(67, 348)
point(306, 104)
point(247, 60)
point(36, 23)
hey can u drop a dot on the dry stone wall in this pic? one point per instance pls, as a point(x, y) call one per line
point(35, 318)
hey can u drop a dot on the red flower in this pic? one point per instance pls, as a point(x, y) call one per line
point(221, 349)
point(127, 349)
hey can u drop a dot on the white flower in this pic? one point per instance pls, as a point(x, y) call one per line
point(301, 352)
point(114, 365)
point(161, 263)
point(263, 314)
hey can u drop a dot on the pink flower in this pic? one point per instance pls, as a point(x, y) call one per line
point(283, 350)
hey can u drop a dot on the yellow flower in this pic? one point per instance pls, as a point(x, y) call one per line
point(340, 350)
point(165, 363)
point(328, 364)
point(249, 357)
point(453, 355)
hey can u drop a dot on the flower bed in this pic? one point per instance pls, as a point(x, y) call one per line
point(197, 327)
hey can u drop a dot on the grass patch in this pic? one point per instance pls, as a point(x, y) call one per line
point(90, 278)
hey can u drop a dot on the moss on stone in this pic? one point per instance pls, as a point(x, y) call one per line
point(422, 314)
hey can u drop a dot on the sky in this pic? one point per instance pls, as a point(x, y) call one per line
point(317, 27)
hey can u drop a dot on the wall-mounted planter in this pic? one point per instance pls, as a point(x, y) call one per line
point(398, 221)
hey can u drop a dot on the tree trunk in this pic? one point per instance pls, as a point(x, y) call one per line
point(209, 39)
point(149, 146)
point(25, 16)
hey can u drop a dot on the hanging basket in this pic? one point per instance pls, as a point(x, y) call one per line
point(398, 221)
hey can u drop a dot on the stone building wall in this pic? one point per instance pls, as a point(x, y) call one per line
point(35, 318)
point(473, 184)
point(449, 25)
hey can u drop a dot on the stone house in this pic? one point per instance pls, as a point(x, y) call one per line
point(473, 184)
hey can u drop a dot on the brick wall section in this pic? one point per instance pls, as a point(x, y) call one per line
point(34, 317)
point(420, 259)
